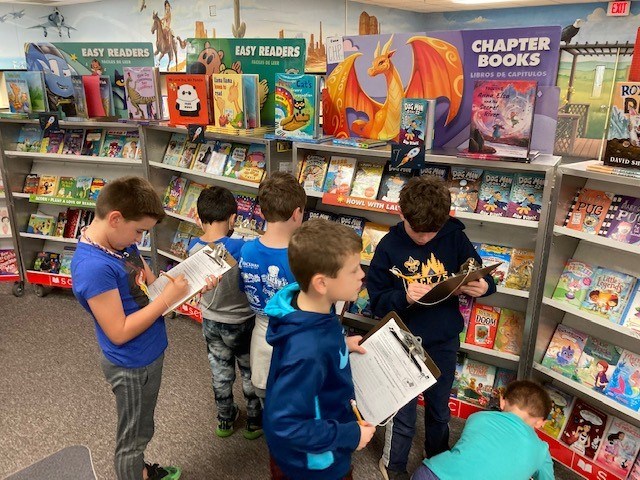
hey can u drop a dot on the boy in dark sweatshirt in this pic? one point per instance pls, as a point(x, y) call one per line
point(423, 249)
point(309, 424)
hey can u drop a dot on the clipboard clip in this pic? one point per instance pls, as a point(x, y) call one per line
point(217, 254)
point(411, 344)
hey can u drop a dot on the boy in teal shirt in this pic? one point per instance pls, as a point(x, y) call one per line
point(508, 435)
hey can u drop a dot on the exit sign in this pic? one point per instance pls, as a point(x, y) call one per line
point(619, 9)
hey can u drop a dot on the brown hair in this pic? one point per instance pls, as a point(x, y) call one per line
point(528, 396)
point(320, 246)
point(133, 197)
point(279, 196)
point(425, 203)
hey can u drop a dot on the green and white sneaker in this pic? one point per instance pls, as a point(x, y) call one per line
point(225, 425)
point(156, 472)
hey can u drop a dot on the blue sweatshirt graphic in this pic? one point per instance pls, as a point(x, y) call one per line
point(430, 263)
point(310, 428)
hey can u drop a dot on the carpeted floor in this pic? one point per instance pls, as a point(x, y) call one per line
point(54, 395)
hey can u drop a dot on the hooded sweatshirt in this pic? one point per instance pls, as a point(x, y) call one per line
point(443, 255)
point(310, 428)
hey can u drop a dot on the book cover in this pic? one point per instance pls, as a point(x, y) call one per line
point(41, 224)
point(502, 118)
point(464, 185)
point(29, 139)
point(608, 294)
point(362, 305)
point(189, 152)
point(509, 333)
point(5, 224)
point(588, 210)
point(619, 448)
point(310, 214)
point(564, 350)
point(31, 183)
point(561, 404)
point(631, 315)
point(92, 142)
point(113, 143)
point(255, 164)
point(504, 377)
point(228, 101)
point(435, 170)
point(457, 375)
point(623, 135)
point(339, 175)
point(465, 304)
point(219, 158)
point(296, 102)
point(83, 185)
point(367, 180)
point(94, 104)
point(491, 254)
point(371, 236)
point(525, 198)
point(141, 93)
point(236, 161)
point(79, 96)
point(409, 150)
point(17, 92)
point(356, 223)
point(584, 429)
point(483, 325)
point(106, 95)
point(624, 385)
point(37, 89)
point(8, 262)
point(493, 197)
point(174, 193)
point(245, 201)
point(65, 262)
point(393, 179)
point(251, 99)
point(203, 156)
point(476, 382)
point(575, 281)
point(132, 149)
point(175, 147)
point(66, 187)
point(359, 142)
point(48, 185)
point(189, 205)
point(312, 172)
point(72, 142)
point(520, 269)
point(180, 243)
point(97, 184)
point(52, 142)
point(258, 222)
point(61, 224)
point(622, 222)
point(72, 228)
point(597, 363)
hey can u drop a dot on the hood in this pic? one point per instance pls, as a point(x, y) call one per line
point(452, 225)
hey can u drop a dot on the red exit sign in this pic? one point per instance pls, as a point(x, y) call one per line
point(619, 9)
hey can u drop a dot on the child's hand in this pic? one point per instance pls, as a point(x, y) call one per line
point(352, 344)
point(415, 291)
point(474, 289)
point(212, 282)
point(175, 290)
point(366, 434)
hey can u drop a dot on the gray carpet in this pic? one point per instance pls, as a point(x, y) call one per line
point(54, 396)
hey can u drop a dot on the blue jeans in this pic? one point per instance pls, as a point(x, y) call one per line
point(424, 473)
point(402, 428)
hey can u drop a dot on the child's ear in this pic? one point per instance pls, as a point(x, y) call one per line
point(502, 403)
point(114, 218)
point(318, 283)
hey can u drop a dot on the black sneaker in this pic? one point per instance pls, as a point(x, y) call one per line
point(392, 474)
point(225, 425)
point(253, 429)
point(156, 472)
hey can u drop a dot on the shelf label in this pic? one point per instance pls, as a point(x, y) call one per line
point(66, 201)
point(373, 205)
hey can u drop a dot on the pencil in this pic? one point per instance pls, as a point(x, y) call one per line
point(354, 406)
point(165, 274)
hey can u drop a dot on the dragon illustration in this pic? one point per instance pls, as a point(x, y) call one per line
point(136, 99)
point(437, 72)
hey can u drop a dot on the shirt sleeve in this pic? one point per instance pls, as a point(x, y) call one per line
point(93, 280)
point(384, 293)
point(545, 472)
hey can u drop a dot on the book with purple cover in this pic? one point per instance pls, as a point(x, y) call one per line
point(622, 222)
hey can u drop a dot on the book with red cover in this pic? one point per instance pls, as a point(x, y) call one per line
point(588, 210)
point(95, 106)
point(71, 228)
point(584, 429)
point(187, 96)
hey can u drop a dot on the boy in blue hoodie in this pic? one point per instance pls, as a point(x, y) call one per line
point(423, 249)
point(309, 424)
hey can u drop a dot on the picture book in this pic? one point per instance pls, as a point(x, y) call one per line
point(483, 325)
point(359, 142)
point(31, 182)
point(367, 180)
point(92, 142)
point(491, 254)
point(504, 377)
point(66, 187)
point(5, 224)
point(235, 160)
point(631, 315)
point(465, 304)
point(493, 197)
point(47, 262)
point(189, 152)
point(564, 350)
point(61, 225)
point(245, 201)
point(622, 222)
point(588, 210)
point(476, 382)
point(520, 269)
point(310, 214)
point(502, 118)
point(457, 375)
point(251, 98)
point(597, 363)
point(132, 149)
point(297, 99)
point(228, 105)
point(525, 198)
point(393, 179)
point(97, 184)
point(93, 96)
point(83, 185)
point(65, 261)
point(435, 170)
point(371, 236)
point(72, 227)
point(561, 404)
point(180, 243)
point(509, 333)
point(624, 385)
point(608, 294)
point(574, 282)
point(362, 305)
point(312, 172)
point(8, 262)
point(623, 142)
point(72, 142)
point(48, 185)
point(464, 185)
point(409, 150)
point(175, 147)
point(203, 156)
point(36, 86)
point(258, 222)
point(189, 207)
point(106, 95)
point(219, 158)
point(29, 139)
point(188, 99)
point(52, 142)
point(174, 193)
point(142, 93)
point(357, 223)
point(339, 175)
point(41, 224)
point(113, 143)
point(79, 96)
point(619, 448)
point(584, 429)
point(254, 167)
point(17, 93)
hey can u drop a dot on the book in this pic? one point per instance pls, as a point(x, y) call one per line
point(483, 325)
point(83, 186)
point(180, 243)
point(203, 156)
point(520, 269)
point(72, 142)
point(251, 97)
point(619, 171)
point(229, 92)
point(367, 180)
point(113, 143)
point(188, 154)
point(97, 184)
point(72, 228)
point(236, 161)
point(106, 95)
point(564, 350)
point(61, 224)
point(493, 197)
point(8, 262)
point(48, 185)
point(258, 222)
point(142, 93)
point(371, 236)
point(5, 224)
point(608, 294)
point(339, 175)
point(509, 332)
point(296, 107)
point(362, 305)
point(93, 96)
point(623, 140)
point(36, 86)
point(476, 382)
point(79, 96)
point(219, 158)
point(504, 377)
point(189, 207)
point(359, 142)
point(631, 315)
point(622, 221)
point(457, 375)
point(132, 149)
point(465, 304)
point(597, 363)
point(52, 142)
point(174, 193)
point(574, 282)
point(17, 92)
point(409, 150)
point(525, 198)
point(624, 385)
point(561, 404)
point(254, 167)
point(356, 223)
point(174, 149)
point(246, 202)
point(66, 187)
point(31, 183)
point(48, 262)
point(588, 210)
point(310, 214)
point(393, 179)
point(620, 447)
point(312, 172)
point(635, 470)
point(92, 142)
point(65, 261)
point(435, 170)
point(29, 139)
point(464, 185)
point(491, 254)
point(584, 428)
point(41, 224)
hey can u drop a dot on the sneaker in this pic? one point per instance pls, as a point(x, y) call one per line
point(225, 425)
point(253, 429)
point(391, 474)
point(156, 472)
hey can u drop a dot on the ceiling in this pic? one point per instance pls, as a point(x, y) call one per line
point(456, 5)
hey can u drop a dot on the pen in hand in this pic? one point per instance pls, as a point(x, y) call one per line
point(165, 274)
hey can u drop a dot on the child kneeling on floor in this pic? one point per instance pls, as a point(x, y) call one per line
point(499, 445)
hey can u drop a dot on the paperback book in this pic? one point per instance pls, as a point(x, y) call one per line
point(8, 262)
point(367, 180)
point(189, 207)
point(17, 92)
point(189, 152)
point(246, 202)
point(520, 269)
point(435, 170)
point(132, 150)
point(219, 158)
point(371, 236)
point(623, 386)
point(228, 100)
point(5, 224)
point(483, 325)
point(79, 96)
point(574, 283)
point(623, 136)
point(509, 333)
point(175, 147)
point(83, 186)
point(410, 148)
point(464, 185)
point(631, 316)
point(608, 294)
point(31, 182)
point(113, 143)
point(588, 210)
point(339, 175)
point(52, 142)
point(97, 184)
point(504, 377)
point(41, 224)
point(465, 304)
point(203, 156)
point(174, 193)
point(29, 139)
point(597, 364)
point(188, 99)
point(584, 429)
point(393, 179)
point(236, 161)
point(622, 222)
point(72, 142)
point(92, 142)
point(312, 172)
point(255, 164)
point(296, 112)
point(620, 447)
point(561, 404)
point(48, 185)
point(476, 382)
point(66, 187)
point(564, 351)
point(525, 199)
point(356, 223)
point(142, 93)
point(493, 197)
point(491, 254)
